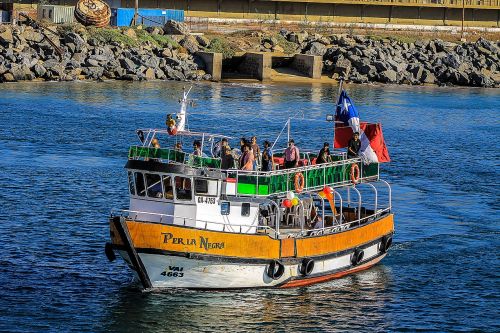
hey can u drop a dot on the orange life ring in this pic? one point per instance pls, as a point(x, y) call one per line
point(354, 173)
point(299, 182)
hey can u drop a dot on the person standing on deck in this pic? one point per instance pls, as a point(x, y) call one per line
point(246, 159)
point(197, 148)
point(256, 152)
point(226, 157)
point(267, 157)
point(353, 146)
point(292, 155)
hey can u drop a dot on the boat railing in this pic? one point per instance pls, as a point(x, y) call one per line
point(264, 183)
point(169, 219)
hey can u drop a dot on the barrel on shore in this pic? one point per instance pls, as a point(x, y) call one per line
point(93, 12)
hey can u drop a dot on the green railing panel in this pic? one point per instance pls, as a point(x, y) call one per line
point(370, 170)
point(243, 188)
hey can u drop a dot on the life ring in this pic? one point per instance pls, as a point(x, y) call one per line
point(357, 256)
point(385, 244)
point(172, 131)
point(275, 269)
point(299, 182)
point(306, 266)
point(354, 173)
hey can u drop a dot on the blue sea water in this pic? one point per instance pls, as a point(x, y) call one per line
point(62, 151)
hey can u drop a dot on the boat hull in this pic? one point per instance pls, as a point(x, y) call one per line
point(161, 260)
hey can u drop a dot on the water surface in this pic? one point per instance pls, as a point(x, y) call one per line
point(63, 147)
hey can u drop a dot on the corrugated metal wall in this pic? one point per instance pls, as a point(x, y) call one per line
point(122, 17)
point(56, 14)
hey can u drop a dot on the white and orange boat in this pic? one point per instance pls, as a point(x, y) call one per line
point(191, 224)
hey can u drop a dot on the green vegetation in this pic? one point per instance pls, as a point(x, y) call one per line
point(106, 35)
point(287, 46)
point(221, 46)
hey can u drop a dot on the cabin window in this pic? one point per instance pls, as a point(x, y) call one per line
point(245, 209)
point(205, 187)
point(168, 190)
point(183, 189)
point(131, 185)
point(50, 13)
point(225, 208)
point(139, 184)
point(153, 182)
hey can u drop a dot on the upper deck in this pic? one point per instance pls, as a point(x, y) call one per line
point(259, 183)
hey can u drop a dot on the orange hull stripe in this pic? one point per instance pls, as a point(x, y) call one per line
point(309, 247)
point(188, 240)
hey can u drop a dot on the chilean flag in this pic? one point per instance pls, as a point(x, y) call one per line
point(373, 148)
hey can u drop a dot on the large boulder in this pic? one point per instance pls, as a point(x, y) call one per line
point(317, 48)
point(388, 76)
point(298, 37)
point(76, 40)
point(343, 68)
point(31, 35)
point(190, 44)
point(6, 36)
point(175, 28)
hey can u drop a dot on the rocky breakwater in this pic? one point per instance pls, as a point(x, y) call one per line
point(362, 59)
point(99, 54)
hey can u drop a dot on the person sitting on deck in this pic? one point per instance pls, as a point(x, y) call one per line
point(155, 143)
point(197, 148)
point(178, 146)
point(267, 157)
point(292, 155)
point(324, 154)
point(227, 161)
point(353, 146)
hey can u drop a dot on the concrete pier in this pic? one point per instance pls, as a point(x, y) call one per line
point(257, 65)
point(308, 65)
point(213, 64)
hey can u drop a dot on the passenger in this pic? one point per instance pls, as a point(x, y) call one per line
point(256, 151)
point(353, 146)
point(267, 157)
point(155, 143)
point(252, 164)
point(197, 148)
point(243, 142)
point(178, 146)
point(324, 154)
point(170, 122)
point(292, 155)
point(227, 161)
point(246, 159)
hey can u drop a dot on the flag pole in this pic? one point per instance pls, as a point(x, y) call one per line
point(341, 82)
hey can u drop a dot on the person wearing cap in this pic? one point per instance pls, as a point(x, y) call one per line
point(292, 155)
point(324, 154)
point(267, 157)
point(353, 146)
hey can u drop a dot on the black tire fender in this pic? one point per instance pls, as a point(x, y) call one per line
point(108, 250)
point(275, 269)
point(306, 266)
point(357, 257)
point(385, 243)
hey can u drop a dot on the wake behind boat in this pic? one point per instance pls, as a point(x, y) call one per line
point(194, 222)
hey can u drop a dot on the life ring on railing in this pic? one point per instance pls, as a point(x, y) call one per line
point(275, 269)
point(306, 266)
point(299, 182)
point(354, 173)
point(357, 256)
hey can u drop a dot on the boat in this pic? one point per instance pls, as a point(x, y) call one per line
point(191, 224)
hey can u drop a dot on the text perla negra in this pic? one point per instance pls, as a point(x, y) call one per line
point(203, 243)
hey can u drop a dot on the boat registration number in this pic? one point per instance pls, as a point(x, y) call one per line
point(206, 200)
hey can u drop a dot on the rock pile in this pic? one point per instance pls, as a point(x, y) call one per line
point(26, 55)
point(360, 59)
